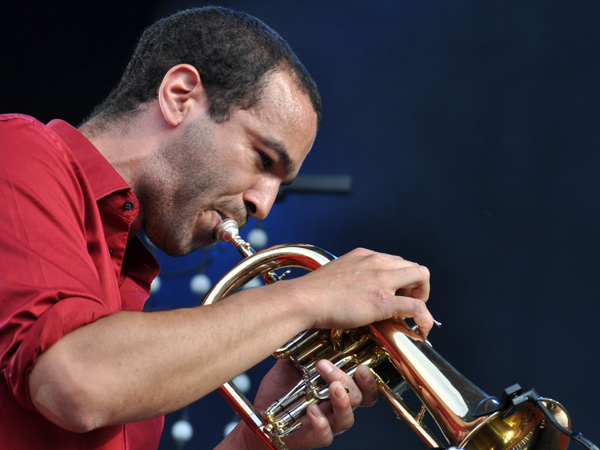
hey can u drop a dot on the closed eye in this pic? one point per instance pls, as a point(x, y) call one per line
point(265, 161)
point(280, 159)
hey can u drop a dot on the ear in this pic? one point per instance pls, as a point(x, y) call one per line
point(180, 90)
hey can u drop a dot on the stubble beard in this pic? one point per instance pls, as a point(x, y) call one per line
point(182, 182)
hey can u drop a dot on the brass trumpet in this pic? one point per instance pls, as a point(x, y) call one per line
point(399, 358)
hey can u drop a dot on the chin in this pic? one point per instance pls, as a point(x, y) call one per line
point(180, 242)
point(189, 247)
point(170, 246)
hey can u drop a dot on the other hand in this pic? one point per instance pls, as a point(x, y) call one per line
point(363, 287)
point(324, 420)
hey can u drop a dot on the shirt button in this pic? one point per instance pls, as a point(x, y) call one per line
point(128, 205)
point(110, 251)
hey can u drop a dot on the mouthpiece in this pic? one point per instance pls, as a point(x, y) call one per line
point(227, 231)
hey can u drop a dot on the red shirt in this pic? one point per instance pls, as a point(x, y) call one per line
point(65, 261)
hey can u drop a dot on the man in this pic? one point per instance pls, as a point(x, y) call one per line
point(213, 113)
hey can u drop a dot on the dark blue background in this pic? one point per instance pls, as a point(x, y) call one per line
point(470, 130)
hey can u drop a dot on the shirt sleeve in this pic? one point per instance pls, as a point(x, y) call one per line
point(50, 282)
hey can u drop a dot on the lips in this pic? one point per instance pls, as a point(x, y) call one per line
point(242, 219)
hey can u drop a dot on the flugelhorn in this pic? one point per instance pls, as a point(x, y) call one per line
point(400, 360)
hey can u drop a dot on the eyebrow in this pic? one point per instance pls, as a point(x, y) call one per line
point(283, 155)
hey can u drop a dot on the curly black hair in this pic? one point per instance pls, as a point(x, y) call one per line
point(232, 51)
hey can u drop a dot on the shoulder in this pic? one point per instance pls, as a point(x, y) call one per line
point(34, 157)
point(26, 140)
point(19, 123)
point(22, 127)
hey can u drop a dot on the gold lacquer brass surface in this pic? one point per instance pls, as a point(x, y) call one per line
point(525, 429)
point(400, 359)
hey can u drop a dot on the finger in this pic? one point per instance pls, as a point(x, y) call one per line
point(331, 373)
point(321, 434)
point(367, 385)
point(343, 417)
point(411, 281)
point(315, 431)
point(416, 310)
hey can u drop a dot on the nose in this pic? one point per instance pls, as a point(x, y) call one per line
point(259, 199)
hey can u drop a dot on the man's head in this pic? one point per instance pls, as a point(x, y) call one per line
point(207, 171)
point(213, 113)
point(232, 52)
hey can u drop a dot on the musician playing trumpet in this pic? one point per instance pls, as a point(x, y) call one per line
point(213, 113)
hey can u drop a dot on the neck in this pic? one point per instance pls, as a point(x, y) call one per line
point(129, 146)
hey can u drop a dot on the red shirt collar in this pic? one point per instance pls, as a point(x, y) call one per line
point(103, 178)
point(111, 192)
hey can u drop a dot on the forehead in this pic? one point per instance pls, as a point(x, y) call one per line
point(285, 116)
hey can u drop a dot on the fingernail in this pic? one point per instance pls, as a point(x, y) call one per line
point(315, 412)
point(341, 391)
point(325, 367)
point(363, 373)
